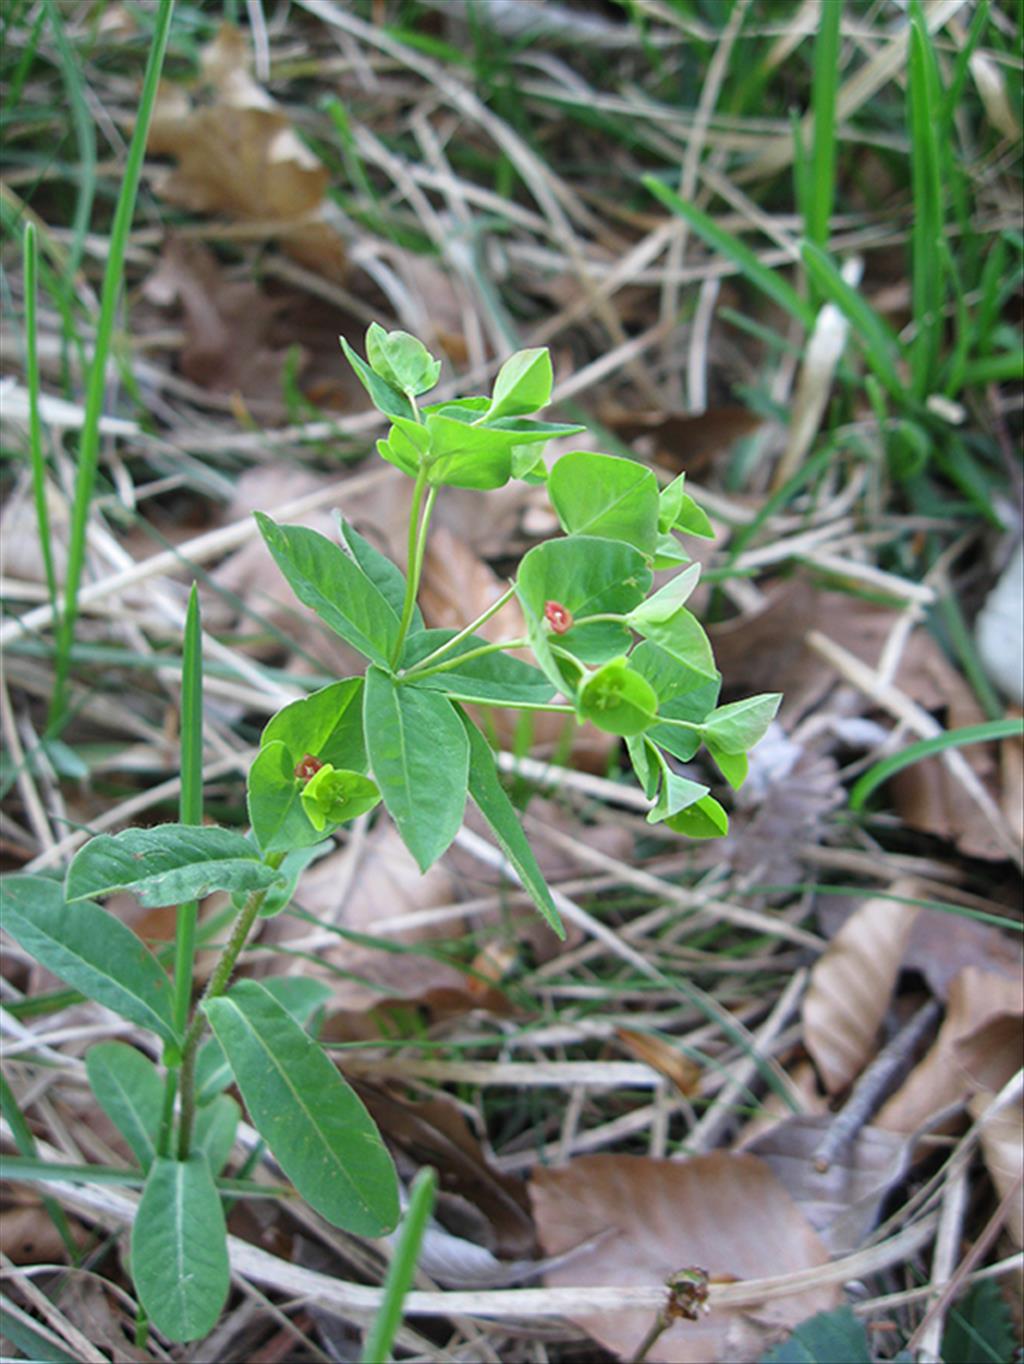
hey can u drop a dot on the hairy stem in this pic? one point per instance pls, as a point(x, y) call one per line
point(215, 986)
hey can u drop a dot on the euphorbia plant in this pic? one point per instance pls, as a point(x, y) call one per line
point(606, 649)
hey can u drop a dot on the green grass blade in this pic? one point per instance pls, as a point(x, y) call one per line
point(768, 281)
point(881, 348)
point(927, 276)
point(402, 1267)
point(35, 429)
point(818, 209)
point(954, 738)
point(85, 138)
point(89, 445)
point(995, 369)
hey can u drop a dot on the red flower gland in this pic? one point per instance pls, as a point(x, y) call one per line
point(308, 768)
point(557, 617)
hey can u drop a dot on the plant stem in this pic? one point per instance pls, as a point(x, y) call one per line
point(163, 1140)
point(419, 671)
point(555, 707)
point(216, 985)
point(467, 630)
point(412, 578)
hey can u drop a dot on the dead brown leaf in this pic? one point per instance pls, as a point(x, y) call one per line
point(942, 944)
point(841, 1203)
point(727, 1213)
point(668, 1060)
point(991, 1056)
point(851, 985)
point(434, 1132)
point(238, 154)
point(976, 998)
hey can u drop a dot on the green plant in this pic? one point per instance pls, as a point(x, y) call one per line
point(635, 663)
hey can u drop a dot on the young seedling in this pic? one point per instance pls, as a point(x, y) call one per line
point(606, 649)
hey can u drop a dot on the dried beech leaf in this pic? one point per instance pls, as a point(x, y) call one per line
point(942, 944)
point(239, 155)
point(726, 1213)
point(851, 984)
point(665, 1058)
point(976, 998)
point(841, 1203)
point(683, 440)
point(1002, 1143)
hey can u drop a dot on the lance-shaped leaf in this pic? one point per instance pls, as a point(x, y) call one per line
point(387, 577)
point(332, 584)
point(490, 799)
point(90, 950)
point(128, 1088)
point(493, 677)
point(215, 1130)
point(733, 766)
point(419, 756)
point(662, 605)
point(737, 727)
point(675, 793)
point(704, 819)
point(179, 1253)
point(168, 864)
point(616, 499)
point(319, 1131)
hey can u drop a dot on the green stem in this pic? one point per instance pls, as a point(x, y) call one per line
point(412, 581)
point(555, 707)
point(216, 985)
point(419, 671)
point(465, 632)
point(163, 1141)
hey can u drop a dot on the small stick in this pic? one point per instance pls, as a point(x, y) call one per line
point(874, 1085)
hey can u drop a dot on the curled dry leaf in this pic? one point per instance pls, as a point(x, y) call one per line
point(666, 1059)
point(724, 1212)
point(841, 1203)
point(976, 998)
point(851, 985)
point(238, 154)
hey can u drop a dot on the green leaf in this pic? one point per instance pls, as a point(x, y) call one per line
point(879, 343)
point(693, 520)
point(979, 1328)
point(528, 431)
point(384, 396)
point(588, 576)
point(493, 677)
point(399, 453)
point(668, 552)
point(332, 584)
point(617, 699)
point(644, 757)
point(90, 950)
point(829, 1338)
point(616, 499)
point(319, 1132)
point(466, 456)
point(523, 384)
point(662, 605)
point(490, 799)
point(733, 766)
point(683, 694)
point(128, 1088)
point(167, 864)
point(328, 724)
point(179, 1253)
point(704, 819)
point(333, 797)
point(215, 1129)
point(682, 636)
point(737, 727)
point(675, 793)
point(299, 995)
point(387, 578)
point(419, 756)
point(670, 502)
point(401, 360)
point(379, 1338)
point(274, 798)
